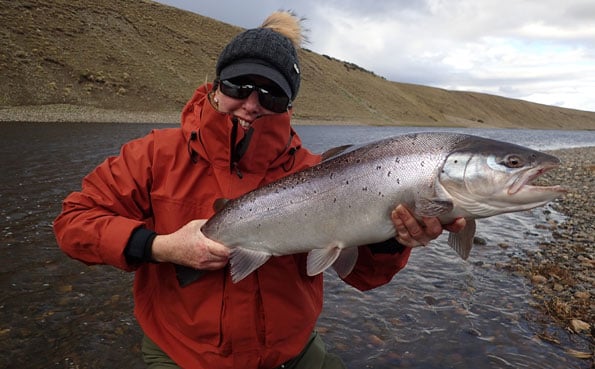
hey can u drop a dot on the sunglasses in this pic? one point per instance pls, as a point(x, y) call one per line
point(269, 98)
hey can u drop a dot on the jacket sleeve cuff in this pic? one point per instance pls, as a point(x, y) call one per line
point(390, 246)
point(139, 248)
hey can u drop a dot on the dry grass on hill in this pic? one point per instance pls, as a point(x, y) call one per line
point(145, 57)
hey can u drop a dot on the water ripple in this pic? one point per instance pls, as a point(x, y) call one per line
point(58, 312)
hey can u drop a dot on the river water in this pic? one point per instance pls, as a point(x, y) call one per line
point(440, 312)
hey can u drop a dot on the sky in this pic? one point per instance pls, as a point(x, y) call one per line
point(536, 50)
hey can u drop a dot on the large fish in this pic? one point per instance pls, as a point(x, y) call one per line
point(346, 201)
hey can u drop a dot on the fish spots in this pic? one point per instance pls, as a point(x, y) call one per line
point(389, 173)
point(422, 164)
point(364, 189)
point(397, 160)
point(378, 167)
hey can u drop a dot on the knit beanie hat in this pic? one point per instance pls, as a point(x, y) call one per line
point(268, 51)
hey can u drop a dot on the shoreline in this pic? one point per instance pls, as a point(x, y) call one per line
point(561, 271)
point(65, 113)
point(68, 113)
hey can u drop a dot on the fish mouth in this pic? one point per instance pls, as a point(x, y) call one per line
point(524, 182)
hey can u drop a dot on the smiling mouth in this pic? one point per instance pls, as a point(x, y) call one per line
point(244, 124)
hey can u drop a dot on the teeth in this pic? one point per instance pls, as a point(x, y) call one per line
point(243, 123)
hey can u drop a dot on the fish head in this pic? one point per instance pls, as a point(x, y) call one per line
point(487, 177)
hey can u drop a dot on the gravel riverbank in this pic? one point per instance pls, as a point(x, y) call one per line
point(562, 271)
point(80, 114)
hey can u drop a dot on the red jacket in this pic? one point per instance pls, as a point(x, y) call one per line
point(172, 176)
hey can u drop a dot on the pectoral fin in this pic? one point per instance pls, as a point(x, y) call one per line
point(320, 259)
point(245, 261)
point(462, 242)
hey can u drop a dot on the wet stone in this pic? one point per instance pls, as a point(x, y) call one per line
point(562, 272)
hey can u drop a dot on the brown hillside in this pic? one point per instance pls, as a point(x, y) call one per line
point(141, 56)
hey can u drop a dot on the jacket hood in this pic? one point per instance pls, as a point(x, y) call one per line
point(211, 136)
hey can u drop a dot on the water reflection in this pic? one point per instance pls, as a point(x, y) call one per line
point(439, 312)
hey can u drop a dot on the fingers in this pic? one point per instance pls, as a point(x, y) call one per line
point(412, 232)
point(432, 227)
point(212, 264)
point(456, 226)
point(189, 246)
point(215, 255)
point(217, 250)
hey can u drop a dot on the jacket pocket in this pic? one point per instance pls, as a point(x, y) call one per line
point(195, 311)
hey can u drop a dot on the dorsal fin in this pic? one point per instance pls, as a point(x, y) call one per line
point(220, 204)
point(334, 151)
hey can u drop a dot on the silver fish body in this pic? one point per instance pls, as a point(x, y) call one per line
point(346, 201)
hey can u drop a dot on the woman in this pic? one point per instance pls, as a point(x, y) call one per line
point(142, 211)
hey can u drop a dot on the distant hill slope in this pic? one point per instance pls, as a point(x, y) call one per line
point(145, 56)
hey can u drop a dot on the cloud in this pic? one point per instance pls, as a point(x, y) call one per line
point(537, 51)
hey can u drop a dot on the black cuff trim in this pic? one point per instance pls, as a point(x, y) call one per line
point(140, 246)
point(390, 246)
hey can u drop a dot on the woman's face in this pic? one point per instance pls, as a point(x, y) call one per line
point(248, 109)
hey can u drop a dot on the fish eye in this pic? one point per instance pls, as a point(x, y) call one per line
point(513, 161)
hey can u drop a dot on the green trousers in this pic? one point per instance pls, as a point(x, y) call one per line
point(314, 356)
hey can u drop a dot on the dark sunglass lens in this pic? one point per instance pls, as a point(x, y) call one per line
point(270, 97)
point(277, 104)
point(236, 91)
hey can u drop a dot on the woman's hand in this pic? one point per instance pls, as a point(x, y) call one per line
point(190, 247)
point(412, 233)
